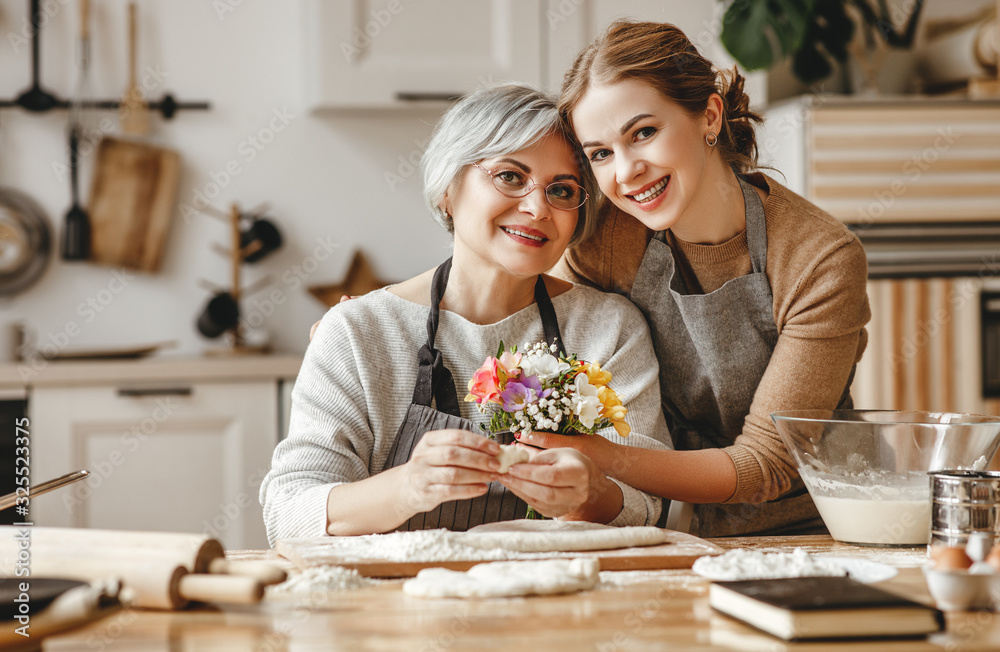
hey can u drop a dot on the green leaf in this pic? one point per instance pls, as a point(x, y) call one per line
point(500, 350)
point(748, 27)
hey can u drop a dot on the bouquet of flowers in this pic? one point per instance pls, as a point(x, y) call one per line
point(538, 389)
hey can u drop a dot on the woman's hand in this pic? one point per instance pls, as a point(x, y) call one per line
point(562, 482)
point(448, 465)
point(599, 450)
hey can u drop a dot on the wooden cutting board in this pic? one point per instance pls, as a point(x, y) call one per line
point(680, 551)
point(132, 199)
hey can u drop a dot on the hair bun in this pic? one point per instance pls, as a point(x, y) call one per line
point(740, 118)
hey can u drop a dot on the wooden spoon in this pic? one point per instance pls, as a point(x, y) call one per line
point(134, 112)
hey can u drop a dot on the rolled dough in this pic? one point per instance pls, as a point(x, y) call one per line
point(557, 536)
point(506, 579)
point(510, 455)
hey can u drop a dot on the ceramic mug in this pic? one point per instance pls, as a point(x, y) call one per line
point(259, 239)
point(220, 314)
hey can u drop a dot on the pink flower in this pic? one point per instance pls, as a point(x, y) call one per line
point(510, 363)
point(487, 383)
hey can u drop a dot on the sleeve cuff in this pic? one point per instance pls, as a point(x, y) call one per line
point(637, 508)
point(749, 476)
point(303, 516)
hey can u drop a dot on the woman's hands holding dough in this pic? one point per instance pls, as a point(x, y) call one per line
point(565, 483)
point(449, 465)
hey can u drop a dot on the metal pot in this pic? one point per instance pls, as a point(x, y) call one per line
point(25, 242)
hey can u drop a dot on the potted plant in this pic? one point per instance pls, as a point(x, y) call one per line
point(759, 33)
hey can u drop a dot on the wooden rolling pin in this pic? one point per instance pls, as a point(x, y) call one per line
point(154, 584)
point(195, 552)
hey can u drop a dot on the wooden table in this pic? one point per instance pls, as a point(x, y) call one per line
point(633, 611)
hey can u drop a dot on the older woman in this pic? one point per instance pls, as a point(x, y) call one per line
point(378, 438)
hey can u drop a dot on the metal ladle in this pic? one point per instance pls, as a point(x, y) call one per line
point(36, 98)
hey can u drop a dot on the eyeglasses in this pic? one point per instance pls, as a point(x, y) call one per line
point(563, 195)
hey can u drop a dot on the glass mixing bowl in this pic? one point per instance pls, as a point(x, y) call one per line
point(866, 470)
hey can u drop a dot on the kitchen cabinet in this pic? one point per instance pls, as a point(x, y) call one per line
point(171, 445)
point(919, 183)
point(186, 458)
point(390, 53)
point(879, 161)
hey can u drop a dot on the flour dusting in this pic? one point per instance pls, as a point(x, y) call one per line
point(742, 564)
point(321, 578)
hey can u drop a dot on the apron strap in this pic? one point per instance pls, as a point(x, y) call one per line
point(549, 321)
point(756, 226)
point(434, 379)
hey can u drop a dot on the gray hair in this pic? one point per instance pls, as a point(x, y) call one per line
point(492, 122)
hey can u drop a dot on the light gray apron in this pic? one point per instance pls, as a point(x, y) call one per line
point(713, 349)
point(435, 382)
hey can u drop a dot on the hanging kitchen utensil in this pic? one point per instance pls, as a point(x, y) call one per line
point(39, 100)
point(132, 199)
point(25, 242)
point(76, 228)
point(134, 112)
point(36, 98)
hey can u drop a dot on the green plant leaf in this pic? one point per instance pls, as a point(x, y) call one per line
point(752, 28)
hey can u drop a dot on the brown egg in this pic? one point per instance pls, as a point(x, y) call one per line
point(993, 559)
point(950, 558)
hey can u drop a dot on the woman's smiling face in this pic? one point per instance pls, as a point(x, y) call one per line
point(526, 235)
point(648, 155)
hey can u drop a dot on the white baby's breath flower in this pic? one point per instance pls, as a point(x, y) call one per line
point(519, 415)
point(532, 410)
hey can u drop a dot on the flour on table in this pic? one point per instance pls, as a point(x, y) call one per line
point(506, 579)
point(742, 564)
point(321, 578)
point(510, 455)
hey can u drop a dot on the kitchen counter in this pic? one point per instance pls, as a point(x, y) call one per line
point(156, 369)
point(649, 610)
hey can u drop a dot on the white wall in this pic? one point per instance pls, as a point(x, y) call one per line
point(324, 175)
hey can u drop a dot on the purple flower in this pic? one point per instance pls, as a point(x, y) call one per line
point(534, 384)
point(518, 396)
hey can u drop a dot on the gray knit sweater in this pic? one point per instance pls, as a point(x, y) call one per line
point(357, 381)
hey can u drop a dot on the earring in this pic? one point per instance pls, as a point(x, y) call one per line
point(711, 139)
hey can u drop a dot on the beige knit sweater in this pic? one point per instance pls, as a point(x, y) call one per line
point(818, 272)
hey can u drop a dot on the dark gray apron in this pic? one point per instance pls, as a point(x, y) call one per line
point(435, 382)
point(713, 350)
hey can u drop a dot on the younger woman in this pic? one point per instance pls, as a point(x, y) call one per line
point(756, 299)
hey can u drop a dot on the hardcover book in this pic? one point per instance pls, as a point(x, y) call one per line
point(823, 607)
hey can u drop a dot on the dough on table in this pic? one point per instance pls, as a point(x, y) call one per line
point(506, 579)
point(557, 536)
point(511, 454)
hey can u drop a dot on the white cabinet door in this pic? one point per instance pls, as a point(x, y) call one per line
point(381, 53)
point(188, 461)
